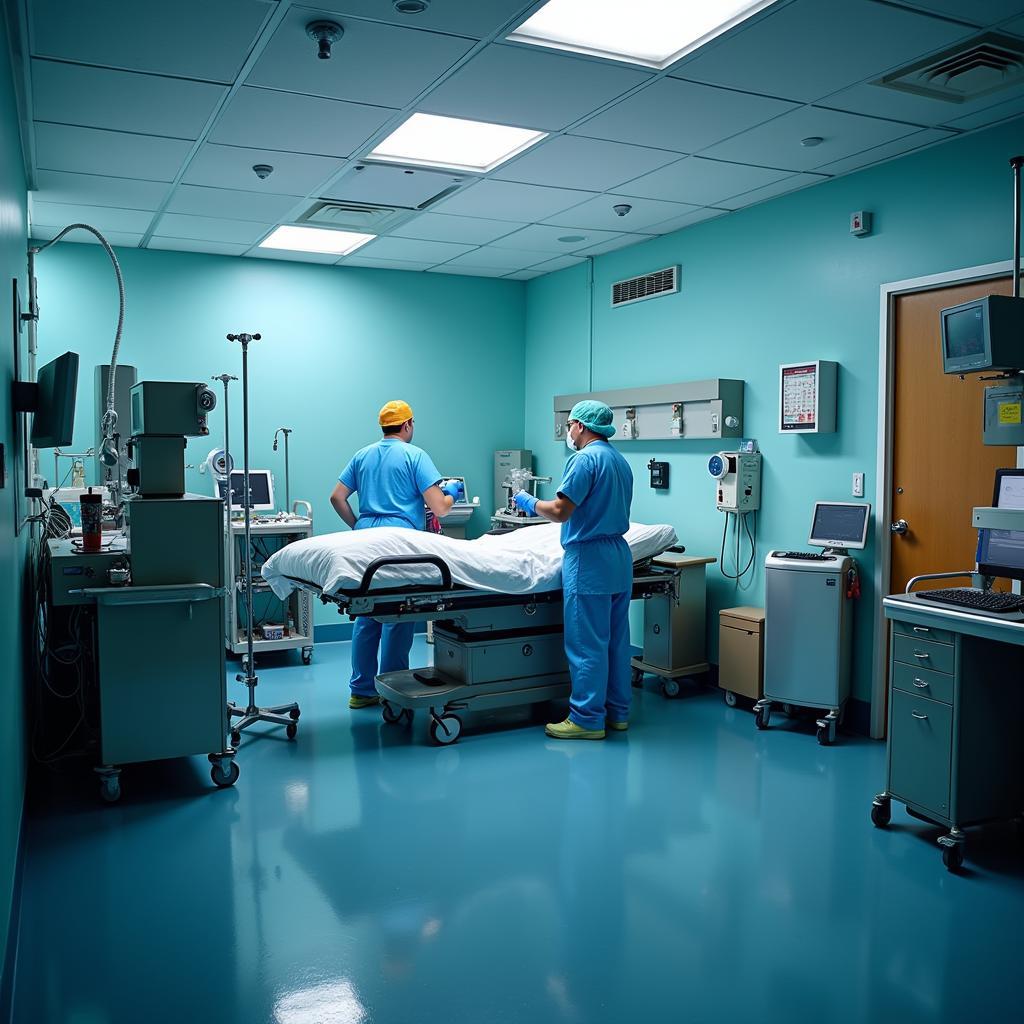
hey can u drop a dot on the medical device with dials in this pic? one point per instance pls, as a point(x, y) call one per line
point(738, 476)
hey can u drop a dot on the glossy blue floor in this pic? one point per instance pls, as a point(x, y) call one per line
point(693, 869)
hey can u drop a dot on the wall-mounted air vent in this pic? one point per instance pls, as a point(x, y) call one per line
point(983, 65)
point(648, 286)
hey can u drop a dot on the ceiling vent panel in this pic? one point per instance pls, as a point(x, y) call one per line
point(647, 286)
point(983, 65)
point(363, 217)
point(394, 186)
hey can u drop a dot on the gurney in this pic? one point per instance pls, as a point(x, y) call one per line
point(496, 605)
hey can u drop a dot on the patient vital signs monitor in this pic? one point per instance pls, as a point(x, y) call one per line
point(839, 525)
point(1001, 552)
point(261, 490)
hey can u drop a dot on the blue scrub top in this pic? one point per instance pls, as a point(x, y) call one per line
point(599, 482)
point(390, 478)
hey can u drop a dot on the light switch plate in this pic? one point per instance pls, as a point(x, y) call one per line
point(858, 485)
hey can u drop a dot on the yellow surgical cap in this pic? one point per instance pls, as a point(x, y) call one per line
point(394, 414)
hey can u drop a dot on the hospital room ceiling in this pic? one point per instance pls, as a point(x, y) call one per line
point(147, 119)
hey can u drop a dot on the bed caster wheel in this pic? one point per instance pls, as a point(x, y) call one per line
point(290, 730)
point(295, 714)
point(637, 678)
point(445, 730)
point(236, 737)
point(390, 713)
point(953, 857)
point(110, 790)
point(761, 718)
point(825, 736)
point(224, 774)
point(670, 689)
point(307, 656)
point(881, 812)
point(730, 698)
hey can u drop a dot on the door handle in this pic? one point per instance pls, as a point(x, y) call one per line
point(901, 526)
point(919, 717)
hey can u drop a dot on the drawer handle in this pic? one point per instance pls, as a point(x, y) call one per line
point(921, 629)
point(920, 684)
point(919, 716)
point(923, 657)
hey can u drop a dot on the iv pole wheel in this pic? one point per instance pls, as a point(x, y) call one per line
point(110, 790)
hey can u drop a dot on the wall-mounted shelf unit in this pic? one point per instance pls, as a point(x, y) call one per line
point(692, 409)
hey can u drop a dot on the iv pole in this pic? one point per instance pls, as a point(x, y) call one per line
point(283, 714)
point(287, 475)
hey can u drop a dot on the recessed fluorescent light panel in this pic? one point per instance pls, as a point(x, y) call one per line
point(338, 243)
point(654, 33)
point(432, 141)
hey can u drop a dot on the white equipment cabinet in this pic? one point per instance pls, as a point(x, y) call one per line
point(268, 534)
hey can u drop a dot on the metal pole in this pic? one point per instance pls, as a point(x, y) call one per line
point(1016, 163)
point(247, 506)
point(287, 477)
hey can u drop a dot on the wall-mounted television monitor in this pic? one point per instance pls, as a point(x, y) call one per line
point(983, 334)
point(54, 421)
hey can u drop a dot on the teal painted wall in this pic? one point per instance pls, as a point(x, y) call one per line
point(13, 228)
point(337, 343)
point(780, 282)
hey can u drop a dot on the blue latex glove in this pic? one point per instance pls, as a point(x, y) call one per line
point(526, 501)
point(455, 490)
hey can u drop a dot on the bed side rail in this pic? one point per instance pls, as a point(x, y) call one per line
point(391, 560)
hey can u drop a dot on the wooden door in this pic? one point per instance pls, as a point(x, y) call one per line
point(941, 468)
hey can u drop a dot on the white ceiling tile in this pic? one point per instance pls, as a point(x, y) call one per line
point(503, 200)
point(523, 275)
point(685, 117)
point(292, 256)
point(415, 249)
point(811, 48)
point(210, 229)
point(476, 18)
point(124, 239)
point(103, 218)
point(701, 182)
point(371, 63)
point(562, 263)
point(121, 100)
point(190, 39)
point(465, 271)
point(567, 161)
point(687, 220)
point(620, 242)
point(545, 237)
point(440, 227)
point(981, 12)
point(886, 152)
point(989, 115)
point(506, 260)
point(193, 245)
point(367, 261)
point(294, 174)
point(95, 190)
point(236, 205)
point(777, 144)
point(779, 188)
point(530, 88)
point(117, 154)
point(298, 124)
point(599, 213)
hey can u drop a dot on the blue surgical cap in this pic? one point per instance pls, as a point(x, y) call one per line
point(595, 416)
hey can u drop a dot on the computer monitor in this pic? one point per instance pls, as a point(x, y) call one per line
point(983, 334)
point(1001, 552)
point(54, 421)
point(261, 490)
point(839, 524)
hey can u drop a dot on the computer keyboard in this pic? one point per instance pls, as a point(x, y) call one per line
point(804, 556)
point(976, 600)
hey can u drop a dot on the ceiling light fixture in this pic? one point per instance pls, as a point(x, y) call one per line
point(411, 6)
point(811, 141)
point(649, 32)
point(431, 141)
point(324, 240)
point(572, 238)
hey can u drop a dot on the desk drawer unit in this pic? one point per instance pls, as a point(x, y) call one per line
point(939, 636)
point(926, 654)
point(923, 683)
point(920, 746)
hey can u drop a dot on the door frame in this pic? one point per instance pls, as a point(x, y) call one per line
point(883, 483)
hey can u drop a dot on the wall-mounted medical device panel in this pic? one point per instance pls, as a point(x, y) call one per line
point(807, 397)
point(165, 407)
point(694, 409)
point(738, 480)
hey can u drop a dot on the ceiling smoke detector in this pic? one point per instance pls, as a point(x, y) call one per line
point(411, 6)
point(262, 171)
point(325, 33)
point(811, 141)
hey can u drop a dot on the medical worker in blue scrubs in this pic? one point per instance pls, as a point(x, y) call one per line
point(394, 480)
point(597, 573)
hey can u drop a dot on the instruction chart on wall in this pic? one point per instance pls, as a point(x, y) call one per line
point(807, 397)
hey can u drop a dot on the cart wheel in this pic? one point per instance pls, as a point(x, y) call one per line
point(637, 677)
point(390, 713)
point(236, 737)
point(290, 730)
point(881, 813)
point(294, 714)
point(446, 729)
point(110, 789)
point(730, 698)
point(825, 735)
point(953, 857)
point(760, 718)
point(307, 656)
point(670, 688)
point(224, 776)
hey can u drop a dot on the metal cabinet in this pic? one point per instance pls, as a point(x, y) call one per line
point(741, 653)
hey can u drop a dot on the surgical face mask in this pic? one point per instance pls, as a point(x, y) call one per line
point(568, 440)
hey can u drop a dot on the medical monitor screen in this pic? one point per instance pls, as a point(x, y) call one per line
point(1001, 552)
point(54, 420)
point(261, 490)
point(839, 525)
point(963, 333)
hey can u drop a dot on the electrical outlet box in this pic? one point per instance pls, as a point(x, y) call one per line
point(860, 223)
point(659, 475)
point(858, 485)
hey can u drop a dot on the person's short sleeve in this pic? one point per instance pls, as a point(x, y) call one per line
point(424, 472)
point(578, 479)
point(349, 477)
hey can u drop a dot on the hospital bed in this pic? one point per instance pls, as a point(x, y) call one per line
point(496, 605)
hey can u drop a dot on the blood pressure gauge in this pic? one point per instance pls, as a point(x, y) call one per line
point(717, 467)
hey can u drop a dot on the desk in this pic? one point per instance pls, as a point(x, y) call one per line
point(956, 694)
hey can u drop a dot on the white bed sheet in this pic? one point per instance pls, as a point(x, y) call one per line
point(516, 562)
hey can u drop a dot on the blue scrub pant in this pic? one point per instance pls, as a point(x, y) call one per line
point(393, 640)
point(597, 646)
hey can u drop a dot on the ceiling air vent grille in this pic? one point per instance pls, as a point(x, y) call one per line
point(985, 64)
point(647, 286)
point(364, 217)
